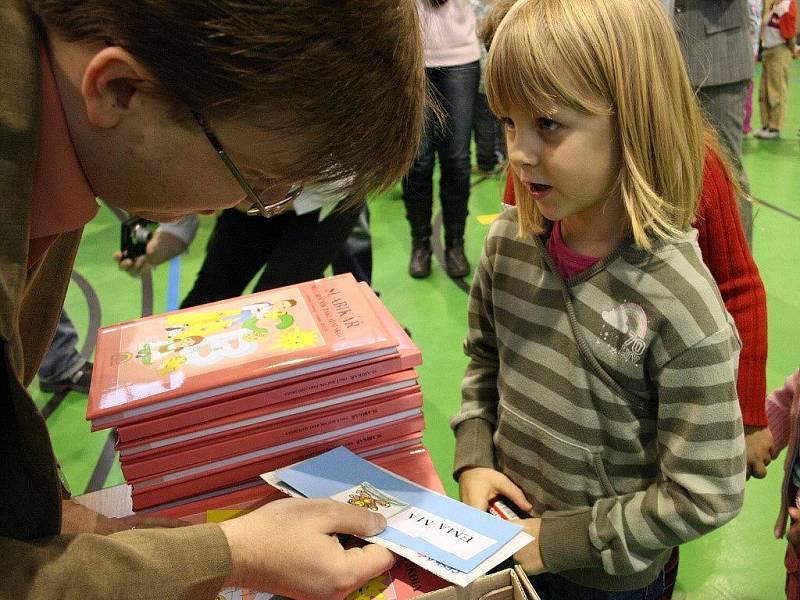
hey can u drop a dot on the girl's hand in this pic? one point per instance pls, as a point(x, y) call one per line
point(530, 557)
point(479, 485)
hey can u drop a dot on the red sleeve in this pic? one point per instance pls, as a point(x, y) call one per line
point(727, 255)
point(788, 22)
point(508, 194)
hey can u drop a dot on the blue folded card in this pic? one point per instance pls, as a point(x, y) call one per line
point(444, 529)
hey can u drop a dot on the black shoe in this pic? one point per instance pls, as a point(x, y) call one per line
point(79, 382)
point(455, 262)
point(420, 265)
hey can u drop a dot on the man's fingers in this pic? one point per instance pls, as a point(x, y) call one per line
point(368, 561)
point(344, 518)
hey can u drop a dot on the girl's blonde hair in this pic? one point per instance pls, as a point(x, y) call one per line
point(608, 57)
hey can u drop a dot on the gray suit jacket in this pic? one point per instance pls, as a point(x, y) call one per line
point(715, 40)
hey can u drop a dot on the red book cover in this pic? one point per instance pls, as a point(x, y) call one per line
point(278, 437)
point(156, 432)
point(170, 360)
point(169, 487)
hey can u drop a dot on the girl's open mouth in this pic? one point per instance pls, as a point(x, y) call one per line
point(539, 190)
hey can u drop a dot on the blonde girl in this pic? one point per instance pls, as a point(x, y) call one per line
point(600, 393)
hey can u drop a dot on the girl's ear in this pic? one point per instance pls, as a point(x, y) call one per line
point(110, 83)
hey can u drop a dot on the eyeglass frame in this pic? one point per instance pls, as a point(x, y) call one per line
point(258, 208)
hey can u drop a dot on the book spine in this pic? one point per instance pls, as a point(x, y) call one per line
point(249, 422)
point(151, 493)
point(270, 436)
point(216, 407)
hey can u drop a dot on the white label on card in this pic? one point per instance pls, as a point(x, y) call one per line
point(442, 533)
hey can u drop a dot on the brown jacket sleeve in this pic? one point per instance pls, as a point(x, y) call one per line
point(188, 563)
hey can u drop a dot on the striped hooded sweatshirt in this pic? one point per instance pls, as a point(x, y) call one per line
point(608, 398)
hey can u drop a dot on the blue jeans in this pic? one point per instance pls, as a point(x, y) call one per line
point(62, 359)
point(489, 139)
point(551, 586)
point(455, 88)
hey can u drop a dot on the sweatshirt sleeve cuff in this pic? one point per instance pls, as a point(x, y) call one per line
point(474, 445)
point(564, 541)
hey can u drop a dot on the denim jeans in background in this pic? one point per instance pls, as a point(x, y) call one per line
point(456, 89)
point(489, 138)
point(551, 586)
point(62, 359)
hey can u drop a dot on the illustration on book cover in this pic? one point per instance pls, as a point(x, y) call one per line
point(198, 339)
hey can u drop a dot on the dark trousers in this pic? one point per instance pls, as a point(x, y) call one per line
point(552, 586)
point(489, 139)
point(456, 89)
point(356, 255)
point(289, 248)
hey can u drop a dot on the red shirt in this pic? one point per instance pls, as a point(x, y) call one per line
point(728, 257)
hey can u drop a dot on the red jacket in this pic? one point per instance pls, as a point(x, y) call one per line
point(727, 255)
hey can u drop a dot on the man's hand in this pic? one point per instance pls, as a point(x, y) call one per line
point(289, 547)
point(760, 450)
point(530, 557)
point(79, 519)
point(479, 485)
point(161, 248)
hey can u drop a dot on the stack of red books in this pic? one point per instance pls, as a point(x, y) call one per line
point(205, 399)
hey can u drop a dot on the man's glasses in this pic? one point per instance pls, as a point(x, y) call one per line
point(258, 208)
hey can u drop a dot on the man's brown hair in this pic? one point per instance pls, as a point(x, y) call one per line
point(346, 78)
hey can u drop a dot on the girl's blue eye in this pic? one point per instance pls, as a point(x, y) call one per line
point(546, 124)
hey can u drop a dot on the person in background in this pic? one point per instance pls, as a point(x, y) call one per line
point(63, 368)
point(754, 11)
point(715, 41)
point(594, 325)
point(783, 410)
point(489, 138)
point(778, 31)
point(453, 70)
point(166, 108)
point(240, 247)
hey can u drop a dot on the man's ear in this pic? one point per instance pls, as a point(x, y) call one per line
point(111, 80)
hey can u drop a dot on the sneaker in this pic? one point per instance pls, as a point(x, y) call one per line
point(79, 382)
point(768, 134)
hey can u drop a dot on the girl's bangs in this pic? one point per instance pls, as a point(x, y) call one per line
point(530, 66)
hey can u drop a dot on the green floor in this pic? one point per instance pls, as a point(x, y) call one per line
point(742, 560)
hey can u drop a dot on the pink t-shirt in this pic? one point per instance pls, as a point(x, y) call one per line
point(62, 199)
point(568, 262)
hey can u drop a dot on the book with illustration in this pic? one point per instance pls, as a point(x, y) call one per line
point(167, 362)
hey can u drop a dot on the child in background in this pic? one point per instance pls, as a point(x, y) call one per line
point(778, 32)
point(600, 393)
point(783, 412)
